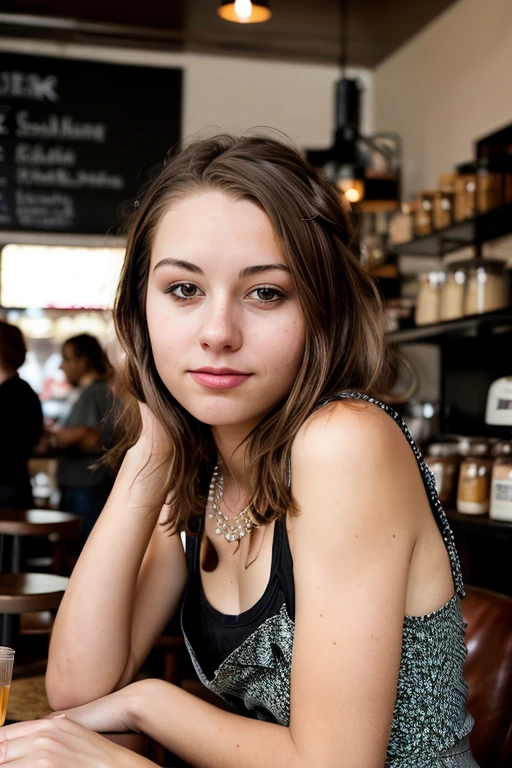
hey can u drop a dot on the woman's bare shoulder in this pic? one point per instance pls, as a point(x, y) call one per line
point(348, 425)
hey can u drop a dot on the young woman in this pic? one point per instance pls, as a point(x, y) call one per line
point(321, 595)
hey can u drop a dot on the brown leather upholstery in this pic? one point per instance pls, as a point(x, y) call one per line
point(488, 671)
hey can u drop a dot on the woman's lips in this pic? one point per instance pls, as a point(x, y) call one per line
point(219, 380)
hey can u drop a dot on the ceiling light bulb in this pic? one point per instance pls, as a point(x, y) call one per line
point(243, 9)
point(352, 195)
point(353, 189)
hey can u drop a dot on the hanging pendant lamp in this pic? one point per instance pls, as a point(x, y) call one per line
point(244, 11)
point(347, 163)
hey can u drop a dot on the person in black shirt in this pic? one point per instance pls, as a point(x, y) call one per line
point(21, 421)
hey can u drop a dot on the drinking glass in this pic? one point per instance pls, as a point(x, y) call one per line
point(6, 664)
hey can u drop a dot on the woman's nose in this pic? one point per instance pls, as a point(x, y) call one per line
point(221, 328)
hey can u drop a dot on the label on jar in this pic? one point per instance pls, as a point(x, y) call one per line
point(501, 500)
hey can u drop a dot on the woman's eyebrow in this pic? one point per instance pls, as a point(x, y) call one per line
point(246, 272)
point(178, 263)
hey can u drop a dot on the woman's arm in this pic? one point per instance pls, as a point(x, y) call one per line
point(88, 438)
point(114, 609)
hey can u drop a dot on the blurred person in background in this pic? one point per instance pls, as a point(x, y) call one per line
point(80, 441)
point(21, 421)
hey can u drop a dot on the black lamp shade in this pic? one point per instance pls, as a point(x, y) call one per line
point(257, 11)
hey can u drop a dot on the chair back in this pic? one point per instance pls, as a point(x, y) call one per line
point(488, 671)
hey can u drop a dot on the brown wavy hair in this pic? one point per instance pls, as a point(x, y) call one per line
point(344, 347)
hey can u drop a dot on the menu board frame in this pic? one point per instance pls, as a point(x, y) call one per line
point(79, 138)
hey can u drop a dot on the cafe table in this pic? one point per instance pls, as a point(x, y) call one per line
point(26, 593)
point(17, 523)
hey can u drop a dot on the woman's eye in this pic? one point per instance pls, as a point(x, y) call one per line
point(266, 294)
point(183, 290)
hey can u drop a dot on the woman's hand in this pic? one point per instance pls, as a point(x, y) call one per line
point(113, 713)
point(61, 743)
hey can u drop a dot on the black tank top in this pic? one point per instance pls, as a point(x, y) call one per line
point(214, 635)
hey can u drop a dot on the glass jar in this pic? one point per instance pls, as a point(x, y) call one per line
point(453, 292)
point(401, 227)
point(487, 287)
point(475, 480)
point(443, 460)
point(489, 186)
point(443, 209)
point(465, 192)
point(428, 300)
point(501, 483)
point(424, 219)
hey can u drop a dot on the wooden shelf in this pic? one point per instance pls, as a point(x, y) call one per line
point(479, 525)
point(474, 325)
point(477, 230)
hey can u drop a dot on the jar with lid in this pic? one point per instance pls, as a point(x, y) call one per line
point(475, 480)
point(443, 209)
point(429, 298)
point(486, 287)
point(401, 226)
point(465, 192)
point(501, 483)
point(443, 460)
point(489, 186)
point(424, 220)
point(453, 292)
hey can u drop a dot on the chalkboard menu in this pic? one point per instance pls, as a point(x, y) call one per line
point(78, 139)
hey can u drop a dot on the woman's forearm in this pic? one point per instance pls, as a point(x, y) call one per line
point(206, 736)
point(67, 437)
point(90, 642)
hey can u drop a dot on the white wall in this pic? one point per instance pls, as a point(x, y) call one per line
point(236, 94)
point(448, 86)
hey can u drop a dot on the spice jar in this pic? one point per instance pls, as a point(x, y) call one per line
point(428, 298)
point(487, 287)
point(443, 461)
point(401, 226)
point(424, 219)
point(501, 484)
point(465, 192)
point(489, 186)
point(443, 209)
point(453, 292)
point(475, 480)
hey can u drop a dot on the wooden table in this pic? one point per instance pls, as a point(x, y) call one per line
point(17, 523)
point(26, 593)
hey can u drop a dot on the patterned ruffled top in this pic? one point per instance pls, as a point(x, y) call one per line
point(246, 659)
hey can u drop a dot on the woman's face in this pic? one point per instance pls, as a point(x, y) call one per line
point(73, 365)
point(226, 328)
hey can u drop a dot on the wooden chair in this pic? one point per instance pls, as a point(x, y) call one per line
point(488, 671)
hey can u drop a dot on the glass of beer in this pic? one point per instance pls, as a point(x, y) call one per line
point(6, 664)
